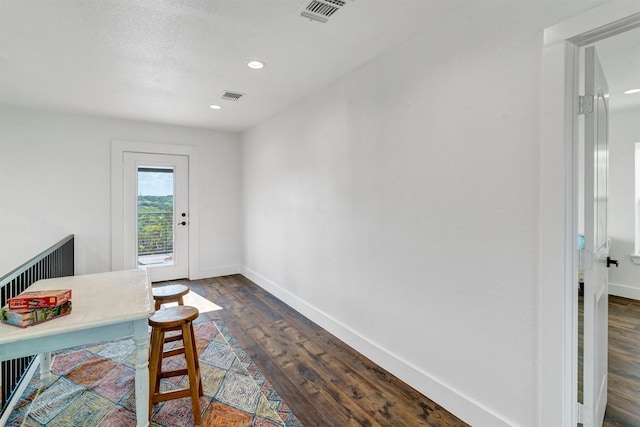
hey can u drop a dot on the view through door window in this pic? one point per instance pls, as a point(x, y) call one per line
point(155, 216)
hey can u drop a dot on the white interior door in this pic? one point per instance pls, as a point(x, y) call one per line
point(596, 253)
point(156, 217)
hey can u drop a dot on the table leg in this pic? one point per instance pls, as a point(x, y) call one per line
point(45, 368)
point(141, 338)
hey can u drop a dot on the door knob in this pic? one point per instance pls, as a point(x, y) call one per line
point(611, 262)
point(182, 223)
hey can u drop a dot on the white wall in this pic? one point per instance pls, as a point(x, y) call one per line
point(624, 133)
point(398, 208)
point(55, 180)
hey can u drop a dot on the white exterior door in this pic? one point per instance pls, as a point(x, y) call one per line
point(156, 217)
point(596, 253)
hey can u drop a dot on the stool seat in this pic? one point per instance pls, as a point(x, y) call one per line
point(169, 293)
point(178, 318)
point(172, 317)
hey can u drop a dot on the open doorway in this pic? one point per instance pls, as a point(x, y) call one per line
point(559, 203)
point(620, 59)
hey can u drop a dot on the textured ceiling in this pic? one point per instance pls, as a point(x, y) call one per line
point(167, 60)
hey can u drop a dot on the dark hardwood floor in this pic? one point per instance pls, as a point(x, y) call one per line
point(327, 383)
point(623, 407)
point(324, 381)
point(623, 397)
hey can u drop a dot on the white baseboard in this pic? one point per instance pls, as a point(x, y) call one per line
point(624, 291)
point(449, 398)
point(206, 273)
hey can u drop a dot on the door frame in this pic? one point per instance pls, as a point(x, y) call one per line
point(559, 202)
point(118, 148)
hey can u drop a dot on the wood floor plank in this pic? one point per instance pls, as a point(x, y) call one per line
point(623, 400)
point(323, 380)
point(328, 383)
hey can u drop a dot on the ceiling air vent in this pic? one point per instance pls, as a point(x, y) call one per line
point(232, 96)
point(320, 10)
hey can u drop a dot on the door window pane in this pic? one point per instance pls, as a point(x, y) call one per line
point(155, 216)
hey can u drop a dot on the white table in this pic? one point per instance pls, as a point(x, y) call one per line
point(105, 306)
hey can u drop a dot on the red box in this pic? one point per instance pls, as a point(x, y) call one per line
point(28, 300)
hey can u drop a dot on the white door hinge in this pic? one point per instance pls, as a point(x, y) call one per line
point(584, 416)
point(586, 104)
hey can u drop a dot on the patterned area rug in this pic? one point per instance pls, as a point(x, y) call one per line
point(94, 386)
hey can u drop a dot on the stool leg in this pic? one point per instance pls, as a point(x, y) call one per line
point(160, 343)
point(155, 364)
point(193, 372)
point(158, 305)
point(197, 362)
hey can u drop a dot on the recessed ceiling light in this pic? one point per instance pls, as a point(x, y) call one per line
point(256, 65)
point(630, 91)
point(215, 107)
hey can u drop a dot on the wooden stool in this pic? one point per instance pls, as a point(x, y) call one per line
point(174, 319)
point(169, 293)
